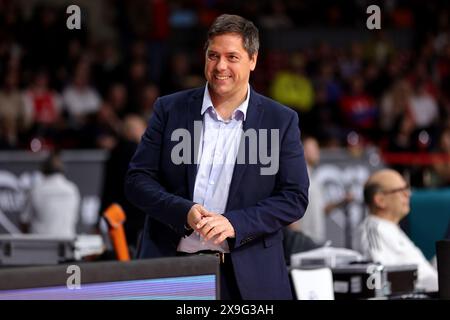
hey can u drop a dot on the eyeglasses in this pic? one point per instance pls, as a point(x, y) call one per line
point(401, 189)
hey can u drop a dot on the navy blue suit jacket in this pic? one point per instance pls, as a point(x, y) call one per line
point(258, 206)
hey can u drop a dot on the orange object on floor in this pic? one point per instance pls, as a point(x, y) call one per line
point(115, 216)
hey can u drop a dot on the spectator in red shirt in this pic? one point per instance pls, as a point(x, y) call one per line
point(42, 102)
point(358, 108)
point(44, 106)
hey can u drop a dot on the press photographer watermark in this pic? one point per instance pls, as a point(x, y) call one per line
point(259, 149)
point(74, 20)
point(74, 280)
point(374, 281)
point(374, 20)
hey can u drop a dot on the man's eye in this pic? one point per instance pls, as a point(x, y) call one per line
point(234, 58)
point(212, 56)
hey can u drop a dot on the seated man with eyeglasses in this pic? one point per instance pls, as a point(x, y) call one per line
point(379, 236)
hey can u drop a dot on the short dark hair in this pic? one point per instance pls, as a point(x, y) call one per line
point(53, 164)
point(370, 189)
point(228, 23)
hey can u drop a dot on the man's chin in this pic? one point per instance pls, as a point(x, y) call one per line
point(220, 91)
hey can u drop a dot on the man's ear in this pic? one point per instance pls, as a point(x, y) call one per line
point(253, 60)
point(379, 201)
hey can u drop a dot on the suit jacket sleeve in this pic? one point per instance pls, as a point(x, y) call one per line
point(289, 199)
point(143, 186)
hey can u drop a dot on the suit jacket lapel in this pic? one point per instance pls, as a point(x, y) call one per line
point(193, 111)
point(252, 121)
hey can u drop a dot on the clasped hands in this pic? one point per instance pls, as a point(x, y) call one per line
point(209, 225)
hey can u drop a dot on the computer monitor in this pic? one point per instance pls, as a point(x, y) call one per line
point(177, 278)
point(443, 263)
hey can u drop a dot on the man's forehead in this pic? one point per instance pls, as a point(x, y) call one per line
point(388, 178)
point(233, 39)
point(227, 51)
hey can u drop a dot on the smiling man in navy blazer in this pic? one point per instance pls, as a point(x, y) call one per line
point(239, 181)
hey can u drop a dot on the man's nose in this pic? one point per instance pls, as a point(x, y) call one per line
point(221, 64)
point(407, 192)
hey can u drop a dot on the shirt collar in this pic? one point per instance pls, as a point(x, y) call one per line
point(207, 103)
point(382, 221)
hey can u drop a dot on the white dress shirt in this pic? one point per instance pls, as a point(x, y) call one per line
point(383, 241)
point(53, 207)
point(219, 146)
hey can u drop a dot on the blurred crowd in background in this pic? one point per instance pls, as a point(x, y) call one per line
point(95, 87)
